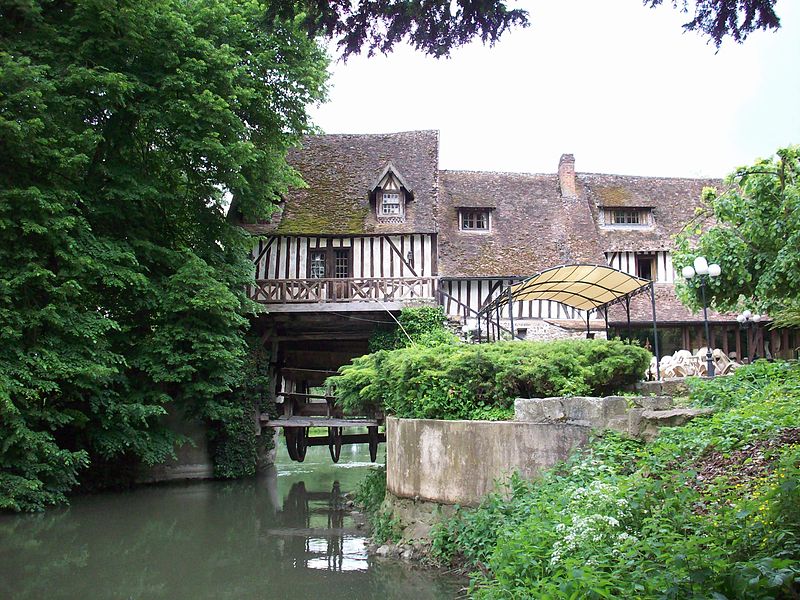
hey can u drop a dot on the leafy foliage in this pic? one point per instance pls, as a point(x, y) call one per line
point(752, 229)
point(122, 125)
point(369, 496)
point(735, 18)
point(466, 381)
point(235, 446)
point(416, 325)
point(436, 27)
point(625, 519)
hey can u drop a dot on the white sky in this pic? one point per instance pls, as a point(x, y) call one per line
point(617, 84)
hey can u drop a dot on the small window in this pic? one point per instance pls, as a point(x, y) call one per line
point(627, 217)
point(318, 264)
point(341, 263)
point(390, 205)
point(475, 220)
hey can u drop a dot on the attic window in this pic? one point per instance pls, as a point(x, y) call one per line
point(474, 219)
point(628, 217)
point(390, 204)
point(390, 193)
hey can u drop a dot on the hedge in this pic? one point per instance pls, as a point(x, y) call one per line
point(466, 381)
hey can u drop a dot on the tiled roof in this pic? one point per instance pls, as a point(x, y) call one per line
point(533, 227)
point(673, 201)
point(339, 171)
point(668, 309)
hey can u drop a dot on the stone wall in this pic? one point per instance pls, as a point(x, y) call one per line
point(542, 330)
point(637, 416)
point(459, 462)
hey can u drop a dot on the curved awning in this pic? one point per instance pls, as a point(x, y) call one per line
point(585, 287)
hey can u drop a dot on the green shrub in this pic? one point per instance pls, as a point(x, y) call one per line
point(423, 325)
point(369, 496)
point(465, 381)
point(708, 510)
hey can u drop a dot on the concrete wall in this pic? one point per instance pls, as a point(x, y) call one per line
point(193, 461)
point(458, 462)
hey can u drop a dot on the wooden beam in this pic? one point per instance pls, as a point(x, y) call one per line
point(318, 422)
point(400, 254)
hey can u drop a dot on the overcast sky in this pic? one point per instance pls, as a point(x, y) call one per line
point(618, 85)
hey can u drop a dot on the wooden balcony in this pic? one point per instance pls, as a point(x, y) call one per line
point(366, 293)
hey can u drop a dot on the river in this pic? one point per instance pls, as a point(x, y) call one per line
point(285, 534)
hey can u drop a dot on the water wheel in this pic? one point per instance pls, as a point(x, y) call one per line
point(335, 442)
point(296, 442)
point(373, 443)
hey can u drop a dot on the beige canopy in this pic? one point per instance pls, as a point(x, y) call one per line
point(585, 287)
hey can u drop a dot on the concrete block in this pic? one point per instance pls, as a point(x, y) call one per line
point(459, 462)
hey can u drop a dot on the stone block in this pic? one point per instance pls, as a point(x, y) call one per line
point(648, 387)
point(678, 386)
point(653, 402)
point(539, 410)
point(653, 420)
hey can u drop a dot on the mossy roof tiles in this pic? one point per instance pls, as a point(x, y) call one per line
point(339, 171)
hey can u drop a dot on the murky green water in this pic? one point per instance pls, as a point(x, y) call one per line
point(283, 535)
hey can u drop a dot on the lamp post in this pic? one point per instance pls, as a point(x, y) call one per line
point(703, 270)
point(745, 320)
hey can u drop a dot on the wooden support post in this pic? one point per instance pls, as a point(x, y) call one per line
point(725, 339)
point(655, 332)
point(739, 345)
point(511, 311)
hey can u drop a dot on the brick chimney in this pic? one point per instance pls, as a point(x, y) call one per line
point(566, 176)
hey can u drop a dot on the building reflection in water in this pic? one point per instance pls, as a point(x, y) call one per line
point(313, 530)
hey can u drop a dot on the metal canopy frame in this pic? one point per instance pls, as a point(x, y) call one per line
point(587, 287)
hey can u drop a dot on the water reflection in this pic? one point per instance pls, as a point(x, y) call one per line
point(335, 545)
point(286, 534)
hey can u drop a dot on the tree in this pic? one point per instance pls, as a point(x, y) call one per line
point(122, 284)
point(720, 18)
point(752, 229)
point(437, 26)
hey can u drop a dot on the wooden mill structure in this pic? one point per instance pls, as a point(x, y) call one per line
point(379, 227)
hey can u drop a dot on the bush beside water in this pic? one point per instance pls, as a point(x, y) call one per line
point(708, 510)
point(466, 381)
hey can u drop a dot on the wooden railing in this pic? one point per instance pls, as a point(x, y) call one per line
point(384, 289)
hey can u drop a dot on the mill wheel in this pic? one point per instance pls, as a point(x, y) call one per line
point(296, 442)
point(290, 433)
point(373, 443)
point(300, 443)
point(335, 442)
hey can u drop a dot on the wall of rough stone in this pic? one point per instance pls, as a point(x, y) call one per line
point(459, 462)
point(541, 330)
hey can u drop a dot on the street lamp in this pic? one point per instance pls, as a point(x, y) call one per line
point(746, 319)
point(703, 270)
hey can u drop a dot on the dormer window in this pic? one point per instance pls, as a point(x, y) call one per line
point(474, 219)
point(390, 194)
point(627, 217)
point(390, 204)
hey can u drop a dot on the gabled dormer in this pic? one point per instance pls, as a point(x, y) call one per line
point(389, 195)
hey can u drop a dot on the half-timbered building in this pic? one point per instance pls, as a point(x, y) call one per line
point(379, 226)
